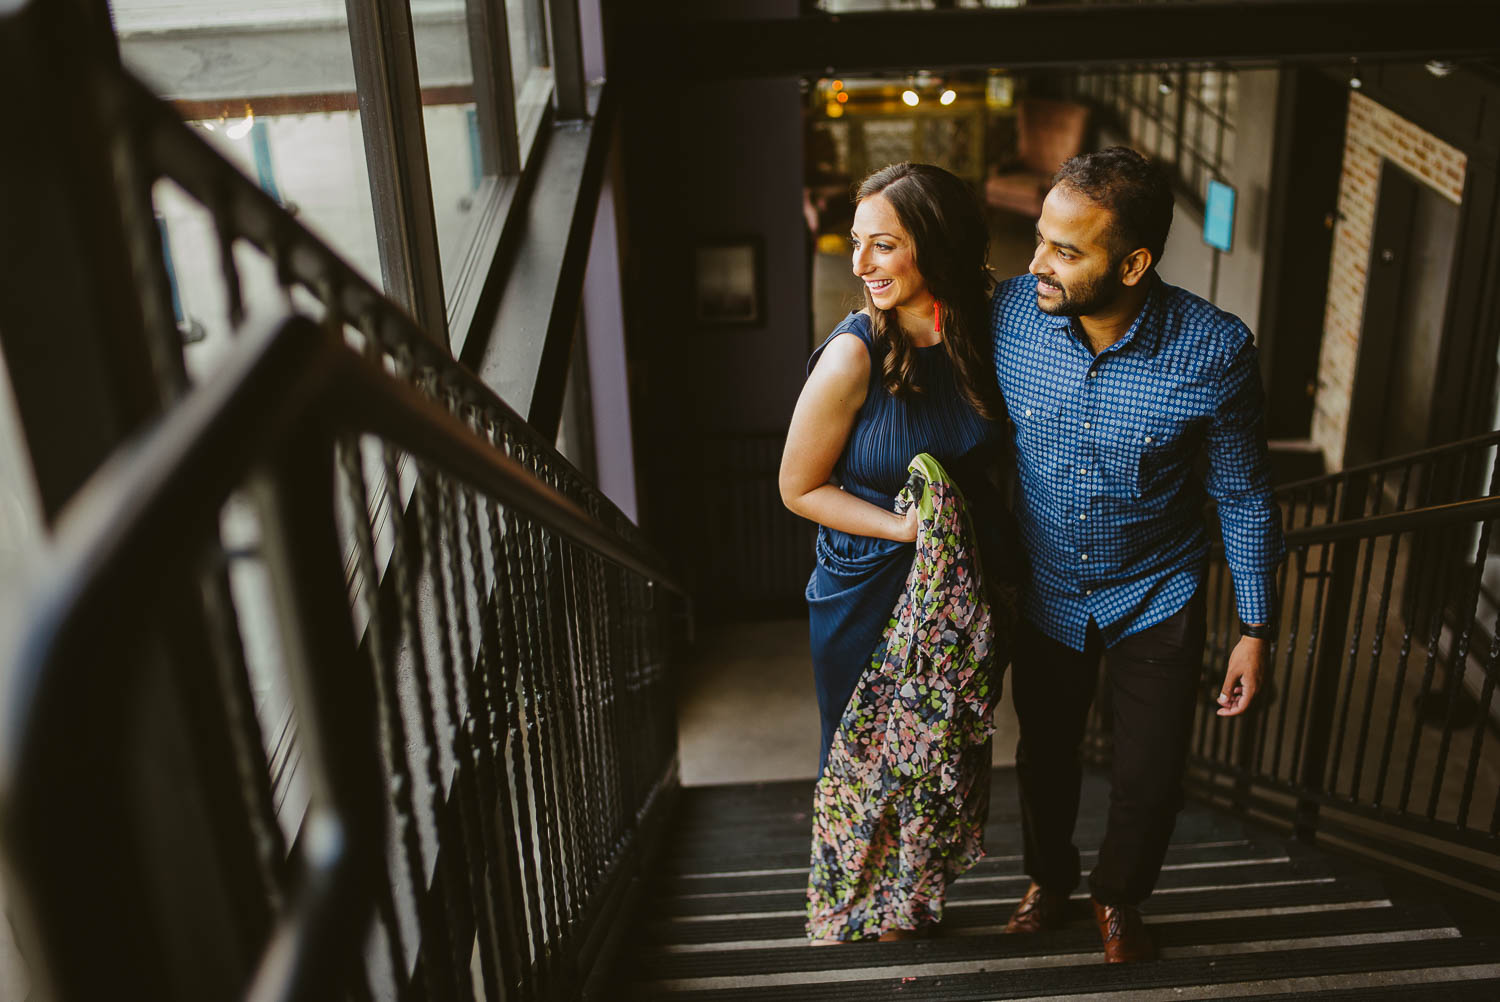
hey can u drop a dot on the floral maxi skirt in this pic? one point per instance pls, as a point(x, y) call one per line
point(899, 810)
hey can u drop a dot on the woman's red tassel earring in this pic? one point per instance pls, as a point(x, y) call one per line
point(937, 317)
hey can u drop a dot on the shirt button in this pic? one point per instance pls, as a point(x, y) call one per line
point(1083, 556)
point(1088, 591)
point(1083, 517)
point(1085, 426)
point(1028, 412)
point(1148, 439)
point(1093, 373)
point(1082, 471)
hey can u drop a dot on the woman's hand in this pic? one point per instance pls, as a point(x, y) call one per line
point(909, 524)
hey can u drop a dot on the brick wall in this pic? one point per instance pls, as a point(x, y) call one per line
point(1374, 134)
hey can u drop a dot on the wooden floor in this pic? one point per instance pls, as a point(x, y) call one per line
point(1238, 913)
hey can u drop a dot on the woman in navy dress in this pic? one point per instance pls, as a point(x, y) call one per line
point(910, 373)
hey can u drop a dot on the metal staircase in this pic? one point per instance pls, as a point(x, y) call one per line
point(1239, 912)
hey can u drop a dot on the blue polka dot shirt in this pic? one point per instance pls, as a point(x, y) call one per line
point(1111, 453)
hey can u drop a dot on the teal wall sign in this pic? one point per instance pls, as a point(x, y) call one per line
point(1218, 216)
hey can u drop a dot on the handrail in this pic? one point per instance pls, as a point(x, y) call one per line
point(290, 389)
point(1390, 523)
point(302, 257)
point(1379, 694)
point(1393, 462)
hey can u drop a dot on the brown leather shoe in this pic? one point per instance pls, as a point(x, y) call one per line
point(1039, 909)
point(1124, 934)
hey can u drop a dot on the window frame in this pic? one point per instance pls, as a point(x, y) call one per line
point(389, 88)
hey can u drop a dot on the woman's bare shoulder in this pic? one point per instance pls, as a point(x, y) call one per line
point(844, 358)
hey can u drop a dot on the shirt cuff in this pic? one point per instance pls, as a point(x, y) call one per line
point(1255, 594)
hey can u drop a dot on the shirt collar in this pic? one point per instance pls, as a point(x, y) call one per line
point(1144, 330)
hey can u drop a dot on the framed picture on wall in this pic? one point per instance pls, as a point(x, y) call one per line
point(729, 286)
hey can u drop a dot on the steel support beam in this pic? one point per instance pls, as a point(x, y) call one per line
point(1101, 37)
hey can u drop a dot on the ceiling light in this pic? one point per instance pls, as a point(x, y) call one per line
point(910, 97)
point(948, 97)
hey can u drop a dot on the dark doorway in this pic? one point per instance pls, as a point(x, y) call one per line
point(1406, 296)
point(1311, 108)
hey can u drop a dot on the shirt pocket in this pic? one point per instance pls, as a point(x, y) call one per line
point(1162, 448)
point(1037, 419)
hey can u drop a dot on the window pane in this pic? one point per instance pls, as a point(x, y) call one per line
point(1148, 136)
point(271, 85)
point(1171, 101)
point(1211, 91)
point(454, 158)
point(529, 61)
point(1192, 118)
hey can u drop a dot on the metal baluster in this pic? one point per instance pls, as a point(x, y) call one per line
point(507, 904)
point(1254, 758)
point(233, 295)
point(586, 687)
point(634, 672)
point(515, 786)
point(534, 543)
point(587, 639)
point(532, 772)
point(390, 729)
point(575, 680)
point(569, 775)
point(1377, 646)
point(1303, 557)
point(601, 622)
point(1224, 642)
point(608, 600)
point(1355, 633)
point(609, 591)
point(441, 956)
point(1458, 661)
point(440, 533)
point(454, 870)
point(545, 777)
point(1434, 638)
point(588, 646)
point(381, 653)
point(1212, 583)
point(1481, 722)
point(1299, 555)
point(1310, 668)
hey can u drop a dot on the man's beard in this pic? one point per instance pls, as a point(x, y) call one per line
point(1098, 294)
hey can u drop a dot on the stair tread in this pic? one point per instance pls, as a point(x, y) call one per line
point(990, 885)
point(1078, 938)
point(795, 877)
point(963, 915)
point(750, 848)
point(1443, 960)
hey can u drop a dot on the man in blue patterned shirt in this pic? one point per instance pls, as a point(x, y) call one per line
point(1123, 390)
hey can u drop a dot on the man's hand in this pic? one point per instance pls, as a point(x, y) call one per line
point(1247, 663)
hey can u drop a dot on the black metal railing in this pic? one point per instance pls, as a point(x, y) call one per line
point(341, 527)
point(1376, 726)
point(758, 555)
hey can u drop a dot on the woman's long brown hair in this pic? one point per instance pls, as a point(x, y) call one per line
point(952, 246)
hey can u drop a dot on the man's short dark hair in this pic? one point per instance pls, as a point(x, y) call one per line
point(1136, 191)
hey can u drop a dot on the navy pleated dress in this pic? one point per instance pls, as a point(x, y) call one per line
point(857, 579)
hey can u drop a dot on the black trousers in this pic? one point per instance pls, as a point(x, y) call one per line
point(1153, 687)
